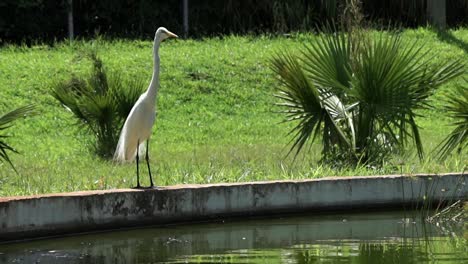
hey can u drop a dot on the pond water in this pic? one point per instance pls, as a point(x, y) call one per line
point(382, 237)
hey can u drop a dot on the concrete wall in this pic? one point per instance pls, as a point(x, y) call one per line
point(47, 215)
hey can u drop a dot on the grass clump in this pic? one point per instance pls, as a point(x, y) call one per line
point(101, 102)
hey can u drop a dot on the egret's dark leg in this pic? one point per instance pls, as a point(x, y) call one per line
point(147, 162)
point(137, 161)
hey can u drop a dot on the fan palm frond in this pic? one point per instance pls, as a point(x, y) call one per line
point(302, 103)
point(362, 96)
point(457, 108)
point(327, 61)
point(390, 82)
point(6, 122)
point(126, 97)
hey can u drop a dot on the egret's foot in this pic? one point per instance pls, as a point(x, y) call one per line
point(138, 187)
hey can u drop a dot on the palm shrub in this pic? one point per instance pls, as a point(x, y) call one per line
point(360, 95)
point(6, 122)
point(456, 105)
point(101, 102)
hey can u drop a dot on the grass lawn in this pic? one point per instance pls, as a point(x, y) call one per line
point(216, 121)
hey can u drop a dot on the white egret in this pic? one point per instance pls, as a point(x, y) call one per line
point(137, 127)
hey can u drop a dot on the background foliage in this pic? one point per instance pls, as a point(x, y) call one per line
point(46, 20)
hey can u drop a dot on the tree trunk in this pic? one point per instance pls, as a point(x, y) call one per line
point(436, 13)
point(70, 20)
point(186, 18)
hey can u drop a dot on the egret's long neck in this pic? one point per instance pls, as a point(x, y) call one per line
point(154, 84)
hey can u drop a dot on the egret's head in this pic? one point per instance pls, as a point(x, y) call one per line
point(162, 33)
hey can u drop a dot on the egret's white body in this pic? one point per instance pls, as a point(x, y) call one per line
point(137, 128)
point(139, 123)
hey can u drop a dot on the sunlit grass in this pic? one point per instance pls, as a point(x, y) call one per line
point(216, 121)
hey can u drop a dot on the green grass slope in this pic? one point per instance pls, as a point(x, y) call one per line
point(216, 115)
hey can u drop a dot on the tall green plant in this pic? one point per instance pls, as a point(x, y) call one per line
point(101, 102)
point(456, 105)
point(6, 122)
point(307, 104)
point(365, 97)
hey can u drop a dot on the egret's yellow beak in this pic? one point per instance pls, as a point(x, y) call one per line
point(172, 35)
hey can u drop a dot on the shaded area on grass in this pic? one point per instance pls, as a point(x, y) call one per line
point(448, 37)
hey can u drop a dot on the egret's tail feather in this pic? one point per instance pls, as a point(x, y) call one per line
point(119, 154)
point(142, 149)
point(123, 151)
point(126, 149)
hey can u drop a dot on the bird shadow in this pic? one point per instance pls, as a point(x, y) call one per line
point(448, 37)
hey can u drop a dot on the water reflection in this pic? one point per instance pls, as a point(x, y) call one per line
point(391, 237)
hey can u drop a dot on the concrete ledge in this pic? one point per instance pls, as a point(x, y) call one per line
point(56, 214)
